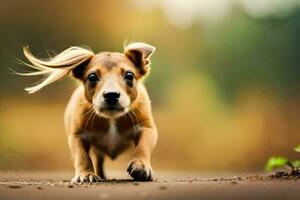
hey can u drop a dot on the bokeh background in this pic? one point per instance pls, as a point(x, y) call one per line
point(225, 79)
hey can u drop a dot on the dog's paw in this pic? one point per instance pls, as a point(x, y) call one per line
point(86, 178)
point(140, 171)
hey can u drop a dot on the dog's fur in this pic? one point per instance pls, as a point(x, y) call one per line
point(95, 129)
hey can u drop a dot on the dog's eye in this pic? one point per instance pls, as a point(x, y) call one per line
point(93, 78)
point(129, 76)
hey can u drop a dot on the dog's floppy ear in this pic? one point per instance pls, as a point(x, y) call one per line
point(139, 53)
point(73, 59)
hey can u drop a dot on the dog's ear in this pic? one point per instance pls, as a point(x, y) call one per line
point(139, 53)
point(73, 59)
point(78, 71)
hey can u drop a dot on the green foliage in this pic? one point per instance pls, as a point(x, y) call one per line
point(296, 163)
point(297, 148)
point(275, 162)
point(280, 161)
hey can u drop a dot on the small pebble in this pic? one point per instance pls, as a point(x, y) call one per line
point(234, 183)
point(237, 178)
point(70, 186)
point(14, 186)
point(162, 187)
point(39, 188)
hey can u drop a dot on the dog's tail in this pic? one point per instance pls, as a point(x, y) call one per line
point(56, 67)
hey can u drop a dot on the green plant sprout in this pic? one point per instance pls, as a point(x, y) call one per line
point(281, 161)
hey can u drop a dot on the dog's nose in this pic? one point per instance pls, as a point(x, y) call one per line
point(111, 98)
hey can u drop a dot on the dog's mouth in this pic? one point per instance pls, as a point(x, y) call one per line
point(110, 110)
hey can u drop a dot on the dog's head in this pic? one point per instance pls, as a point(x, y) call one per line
point(110, 79)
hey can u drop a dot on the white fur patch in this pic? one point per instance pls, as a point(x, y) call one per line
point(112, 135)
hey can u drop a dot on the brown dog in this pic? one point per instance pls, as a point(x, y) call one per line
point(110, 109)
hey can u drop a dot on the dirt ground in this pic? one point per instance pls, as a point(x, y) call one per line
point(24, 185)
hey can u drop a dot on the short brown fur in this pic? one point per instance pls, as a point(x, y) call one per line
point(93, 131)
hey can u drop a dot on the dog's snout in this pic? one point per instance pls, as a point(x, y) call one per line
point(111, 98)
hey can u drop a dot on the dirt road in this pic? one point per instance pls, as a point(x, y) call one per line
point(167, 185)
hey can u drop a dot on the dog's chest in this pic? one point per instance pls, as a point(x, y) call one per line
point(111, 141)
point(112, 137)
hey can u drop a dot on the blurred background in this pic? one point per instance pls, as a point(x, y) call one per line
point(225, 79)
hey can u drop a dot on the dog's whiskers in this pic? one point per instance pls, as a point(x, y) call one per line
point(134, 128)
point(95, 115)
point(138, 124)
point(88, 112)
point(86, 123)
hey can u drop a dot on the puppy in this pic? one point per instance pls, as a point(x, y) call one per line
point(108, 112)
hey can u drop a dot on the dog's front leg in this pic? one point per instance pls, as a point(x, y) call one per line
point(139, 167)
point(84, 171)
